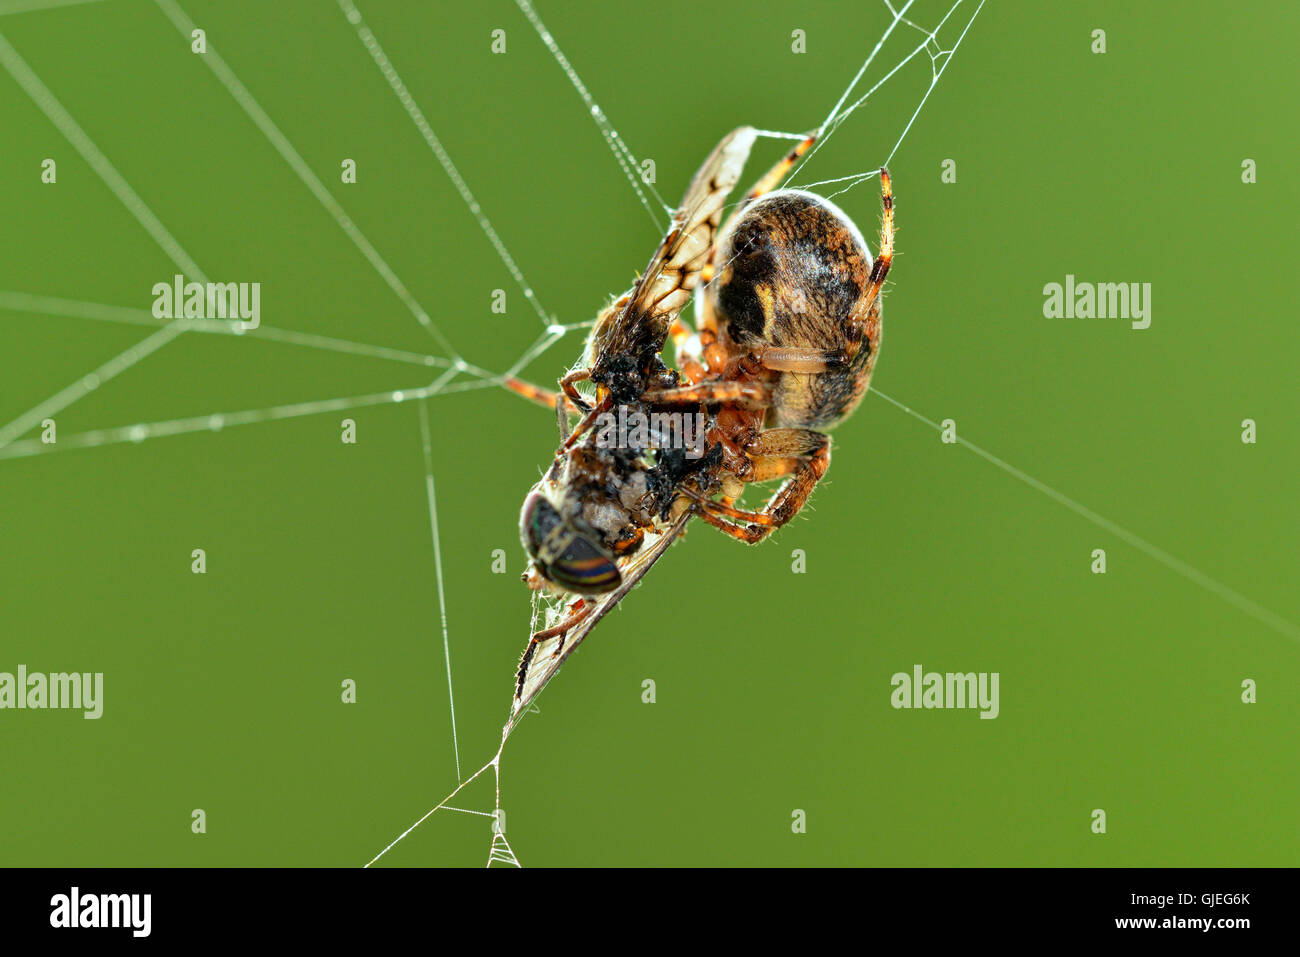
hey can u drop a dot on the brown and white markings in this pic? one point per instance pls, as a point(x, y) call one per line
point(789, 329)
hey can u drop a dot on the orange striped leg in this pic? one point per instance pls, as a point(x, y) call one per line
point(568, 387)
point(712, 393)
point(801, 454)
point(778, 172)
point(535, 393)
point(880, 268)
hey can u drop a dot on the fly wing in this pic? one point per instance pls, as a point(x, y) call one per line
point(542, 659)
point(641, 326)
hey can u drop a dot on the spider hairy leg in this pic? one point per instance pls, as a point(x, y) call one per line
point(601, 407)
point(778, 172)
point(538, 395)
point(880, 268)
point(802, 454)
point(686, 342)
point(802, 360)
point(568, 385)
point(743, 394)
point(701, 355)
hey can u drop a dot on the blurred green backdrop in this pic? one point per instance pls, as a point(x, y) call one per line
point(222, 691)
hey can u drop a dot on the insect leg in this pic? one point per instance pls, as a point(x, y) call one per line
point(562, 420)
point(579, 610)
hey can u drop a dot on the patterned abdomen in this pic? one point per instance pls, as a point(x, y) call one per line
point(792, 274)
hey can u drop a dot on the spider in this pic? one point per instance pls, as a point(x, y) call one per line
point(789, 329)
point(789, 333)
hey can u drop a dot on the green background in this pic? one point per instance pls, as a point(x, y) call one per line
point(1119, 692)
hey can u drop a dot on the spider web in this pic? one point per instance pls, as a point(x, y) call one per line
point(933, 46)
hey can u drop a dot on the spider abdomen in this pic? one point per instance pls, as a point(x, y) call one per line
point(793, 280)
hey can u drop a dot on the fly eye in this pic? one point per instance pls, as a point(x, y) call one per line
point(536, 521)
point(584, 568)
point(580, 565)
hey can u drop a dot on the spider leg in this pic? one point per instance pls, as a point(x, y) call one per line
point(587, 422)
point(688, 358)
point(707, 355)
point(709, 508)
point(744, 394)
point(568, 387)
point(543, 397)
point(880, 268)
point(803, 455)
point(775, 446)
point(802, 360)
point(778, 172)
point(572, 401)
point(738, 532)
